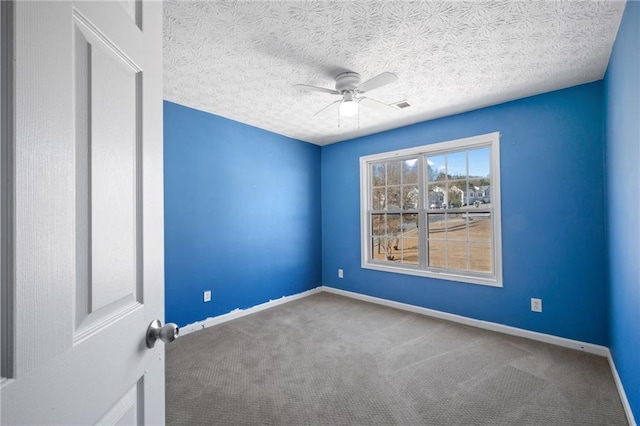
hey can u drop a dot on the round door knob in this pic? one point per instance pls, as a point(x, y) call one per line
point(167, 334)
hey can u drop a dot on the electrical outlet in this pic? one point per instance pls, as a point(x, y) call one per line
point(340, 273)
point(536, 305)
point(207, 296)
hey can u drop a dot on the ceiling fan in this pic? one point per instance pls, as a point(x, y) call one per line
point(348, 86)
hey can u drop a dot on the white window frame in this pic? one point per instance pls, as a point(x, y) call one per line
point(491, 140)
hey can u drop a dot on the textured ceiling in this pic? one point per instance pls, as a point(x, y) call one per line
point(240, 59)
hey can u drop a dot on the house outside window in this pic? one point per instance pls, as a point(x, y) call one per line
point(434, 211)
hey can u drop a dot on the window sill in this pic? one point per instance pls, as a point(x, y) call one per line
point(491, 282)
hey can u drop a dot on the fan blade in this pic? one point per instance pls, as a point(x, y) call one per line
point(377, 81)
point(372, 103)
point(316, 89)
point(334, 102)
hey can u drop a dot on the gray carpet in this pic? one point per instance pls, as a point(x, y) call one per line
point(330, 360)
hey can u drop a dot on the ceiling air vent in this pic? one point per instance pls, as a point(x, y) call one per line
point(401, 104)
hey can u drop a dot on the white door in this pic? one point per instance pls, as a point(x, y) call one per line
point(85, 260)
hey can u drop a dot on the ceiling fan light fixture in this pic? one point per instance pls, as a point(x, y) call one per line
point(349, 106)
point(350, 87)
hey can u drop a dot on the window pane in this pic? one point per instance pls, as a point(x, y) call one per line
point(437, 253)
point(483, 190)
point(479, 162)
point(410, 197)
point(377, 174)
point(436, 226)
point(378, 249)
point(393, 225)
point(436, 168)
point(410, 251)
point(474, 194)
point(410, 171)
point(389, 250)
point(457, 165)
point(410, 225)
point(457, 226)
point(486, 197)
point(377, 224)
point(435, 196)
point(456, 191)
point(393, 172)
point(410, 238)
point(480, 227)
point(393, 202)
point(480, 259)
point(457, 255)
point(379, 199)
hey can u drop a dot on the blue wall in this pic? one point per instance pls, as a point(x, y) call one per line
point(622, 84)
point(553, 216)
point(242, 215)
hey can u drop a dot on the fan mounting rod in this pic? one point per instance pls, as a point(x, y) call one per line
point(347, 81)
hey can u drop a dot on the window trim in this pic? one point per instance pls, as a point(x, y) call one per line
point(490, 139)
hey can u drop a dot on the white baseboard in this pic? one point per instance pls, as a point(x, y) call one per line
point(500, 328)
point(621, 392)
point(237, 313)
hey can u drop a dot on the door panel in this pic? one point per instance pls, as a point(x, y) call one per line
point(107, 221)
point(88, 225)
point(113, 147)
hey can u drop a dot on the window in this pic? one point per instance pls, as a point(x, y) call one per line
point(434, 210)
